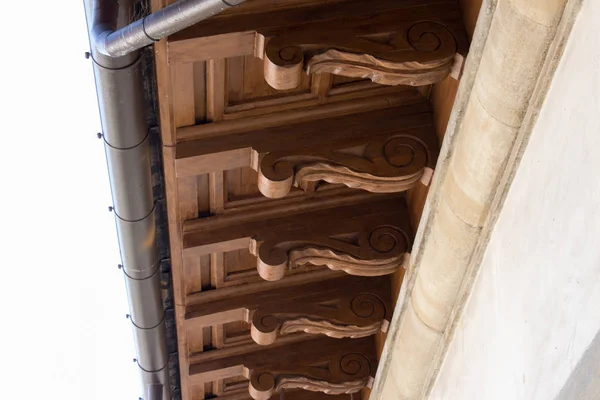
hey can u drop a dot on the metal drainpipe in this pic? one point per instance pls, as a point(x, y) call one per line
point(158, 25)
point(120, 90)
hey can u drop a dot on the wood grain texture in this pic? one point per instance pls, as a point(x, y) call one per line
point(380, 71)
point(215, 89)
point(182, 77)
point(346, 106)
point(213, 47)
point(470, 11)
point(200, 91)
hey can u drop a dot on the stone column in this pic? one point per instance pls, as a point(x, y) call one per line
point(520, 34)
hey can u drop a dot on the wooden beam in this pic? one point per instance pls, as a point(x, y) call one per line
point(272, 19)
point(403, 96)
point(345, 129)
point(363, 307)
point(192, 50)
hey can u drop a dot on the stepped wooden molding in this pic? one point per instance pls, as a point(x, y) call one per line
point(392, 157)
point(367, 238)
point(416, 55)
point(323, 365)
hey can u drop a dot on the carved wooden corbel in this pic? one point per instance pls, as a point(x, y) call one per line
point(350, 317)
point(319, 364)
point(378, 251)
point(381, 151)
point(416, 55)
point(361, 234)
point(389, 165)
point(344, 374)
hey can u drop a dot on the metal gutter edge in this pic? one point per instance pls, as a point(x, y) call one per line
point(121, 102)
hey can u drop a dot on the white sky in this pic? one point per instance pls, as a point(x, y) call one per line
point(64, 333)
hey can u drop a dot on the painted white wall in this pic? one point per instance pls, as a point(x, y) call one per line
point(535, 307)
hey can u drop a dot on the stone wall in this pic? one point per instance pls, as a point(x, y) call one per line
point(535, 307)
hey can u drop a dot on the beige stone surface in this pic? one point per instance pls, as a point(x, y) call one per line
point(531, 329)
point(481, 153)
point(543, 12)
point(510, 64)
point(481, 145)
point(412, 353)
point(441, 271)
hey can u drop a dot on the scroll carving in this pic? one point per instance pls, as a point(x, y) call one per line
point(344, 262)
point(328, 328)
point(420, 54)
point(354, 317)
point(389, 166)
point(389, 73)
point(380, 251)
point(343, 375)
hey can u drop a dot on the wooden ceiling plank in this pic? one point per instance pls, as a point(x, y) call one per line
point(403, 97)
point(213, 163)
point(256, 287)
point(262, 227)
point(342, 129)
point(303, 291)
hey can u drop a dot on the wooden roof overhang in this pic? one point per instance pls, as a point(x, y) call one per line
point(299, 138)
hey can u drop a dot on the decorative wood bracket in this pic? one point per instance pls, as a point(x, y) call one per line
point(416, 55)
point(381, 151)
point(378, 251)
point(344, 374)
point(361, 234)
point(327, 304)
point(393, 164)
point(350, 317)
point(318, 364)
